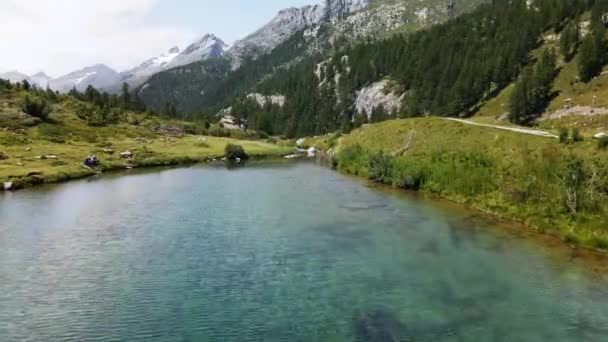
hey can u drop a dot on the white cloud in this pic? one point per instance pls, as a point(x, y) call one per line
point(58, 36)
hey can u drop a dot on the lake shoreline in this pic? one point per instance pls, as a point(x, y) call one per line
point(591, 257)
point(36, 179)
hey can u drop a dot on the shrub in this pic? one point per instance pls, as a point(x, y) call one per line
point(602, 143)
point(232, 152)
point(599, 242)
point(576, 135)
point(98, 116)
point(563, 135)
point(36, 106)
point(217, 131)
point(352, 159)
point(380, 168)
point(409, 174)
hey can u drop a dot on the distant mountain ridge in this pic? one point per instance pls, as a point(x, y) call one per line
point(291, 37)
point(206, 47)
point(324, 25)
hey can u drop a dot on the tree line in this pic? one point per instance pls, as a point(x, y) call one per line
point(447, 70)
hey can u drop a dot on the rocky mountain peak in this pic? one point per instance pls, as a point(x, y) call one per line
point(343, 8)
point(287, 22)
point(206, 41)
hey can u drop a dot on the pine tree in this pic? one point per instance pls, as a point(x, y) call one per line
point(593, 53)
point(569, 40)
point(587, 59)
point(519, 102)
point(125, 96)
point(379, 114)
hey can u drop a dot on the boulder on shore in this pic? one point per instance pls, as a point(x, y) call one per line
point(8, 186)
point(312, 152)
point(126, 155)
point(600, 136)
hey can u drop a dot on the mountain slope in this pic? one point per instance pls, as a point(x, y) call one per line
point(279, 29)
point(14, 76)
point(41, 79)
point(295, 35)
point(208, 46)
point(99, 76)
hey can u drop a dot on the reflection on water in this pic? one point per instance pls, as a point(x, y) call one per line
point(289, 252)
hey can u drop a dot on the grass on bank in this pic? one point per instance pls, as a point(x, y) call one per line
point(559, 188)
point(53, 150)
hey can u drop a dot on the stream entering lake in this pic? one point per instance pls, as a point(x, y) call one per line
point(275, 252)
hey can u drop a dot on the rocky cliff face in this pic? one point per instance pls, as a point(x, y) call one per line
point(338, 9)
point(292, 20)
point(279, 29)
point(262, 100)
point(378, 94)
point(326, 28)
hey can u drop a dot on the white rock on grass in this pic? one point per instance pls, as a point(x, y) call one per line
point(600, 136)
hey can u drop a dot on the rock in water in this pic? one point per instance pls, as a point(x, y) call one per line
point(379, 326)
point(8, 186)
point(3, 156)
point(312, 152)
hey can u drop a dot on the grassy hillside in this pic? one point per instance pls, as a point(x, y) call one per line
point(559, 188)
point(54, 149)
point(569, 92)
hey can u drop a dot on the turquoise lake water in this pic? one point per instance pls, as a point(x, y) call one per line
point(277, 252)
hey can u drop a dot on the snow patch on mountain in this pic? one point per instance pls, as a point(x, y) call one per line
point(99, 76)
point(208, 46)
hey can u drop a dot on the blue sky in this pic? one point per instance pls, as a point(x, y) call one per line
point(61, 36)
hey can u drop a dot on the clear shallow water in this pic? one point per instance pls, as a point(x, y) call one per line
point(274, 253)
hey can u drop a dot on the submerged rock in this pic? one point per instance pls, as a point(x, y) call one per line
point(380, 326)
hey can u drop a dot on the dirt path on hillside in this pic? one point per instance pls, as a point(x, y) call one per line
point(507, 128)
